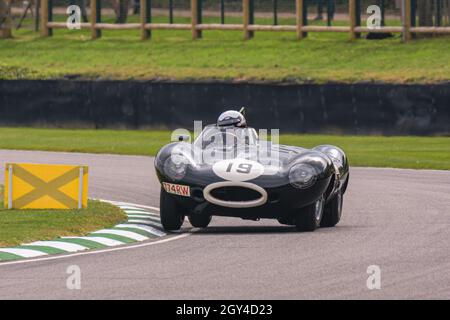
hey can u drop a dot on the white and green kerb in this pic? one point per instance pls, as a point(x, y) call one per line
point(142, 224)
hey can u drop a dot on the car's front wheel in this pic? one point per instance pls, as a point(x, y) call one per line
point(309, 217)
point(333, 211)
point(171, 216)
point(199, 220)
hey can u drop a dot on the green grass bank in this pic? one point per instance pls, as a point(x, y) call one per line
point(375, 151)
point(23, 226)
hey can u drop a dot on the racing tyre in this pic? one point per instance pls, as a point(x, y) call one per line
point(309, 218)
point(285, 221)
point(333, 211)
point(199, 220)
point(171, 215)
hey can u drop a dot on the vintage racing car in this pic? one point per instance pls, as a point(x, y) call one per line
point(229, 171)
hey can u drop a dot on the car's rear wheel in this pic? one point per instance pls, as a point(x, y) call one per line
point(199, 220)
point(309, 218)
point(333, 211)
point(171, 215)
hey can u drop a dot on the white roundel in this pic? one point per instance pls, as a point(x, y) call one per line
point(238, 169)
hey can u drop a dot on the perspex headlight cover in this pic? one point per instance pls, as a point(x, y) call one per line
point(175, 166)
point(302, 175)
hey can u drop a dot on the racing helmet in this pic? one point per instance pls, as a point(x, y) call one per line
point(232, 118)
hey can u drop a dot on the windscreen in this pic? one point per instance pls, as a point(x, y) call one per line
point(226, 138)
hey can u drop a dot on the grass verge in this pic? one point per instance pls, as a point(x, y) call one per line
point(223, 55)
point(22, 226)
point(375, 151)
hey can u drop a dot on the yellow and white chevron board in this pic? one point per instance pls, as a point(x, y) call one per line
point(45, 186)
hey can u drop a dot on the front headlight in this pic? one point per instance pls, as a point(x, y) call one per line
point(302, 175)
point(335, 156)
point(175, 167)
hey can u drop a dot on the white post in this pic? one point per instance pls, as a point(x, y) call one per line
point(80, 188)
point(10, 186)
point(403, 11)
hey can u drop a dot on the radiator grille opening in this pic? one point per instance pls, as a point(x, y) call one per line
point(235, 194)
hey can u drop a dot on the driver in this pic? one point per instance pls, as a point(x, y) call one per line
point(230, 132)
point(227, 123)
point(232, 118)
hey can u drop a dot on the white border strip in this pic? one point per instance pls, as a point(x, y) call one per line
point(101, 240)
point(127, 234)
point(147, 222)
point(146, 213)
point(121, 203)
point(146, 228)
point(65, 246)
point(26, 253)
point(130, 246)
point(97, 251)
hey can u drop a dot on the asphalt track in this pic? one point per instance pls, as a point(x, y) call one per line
point(396, 219)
